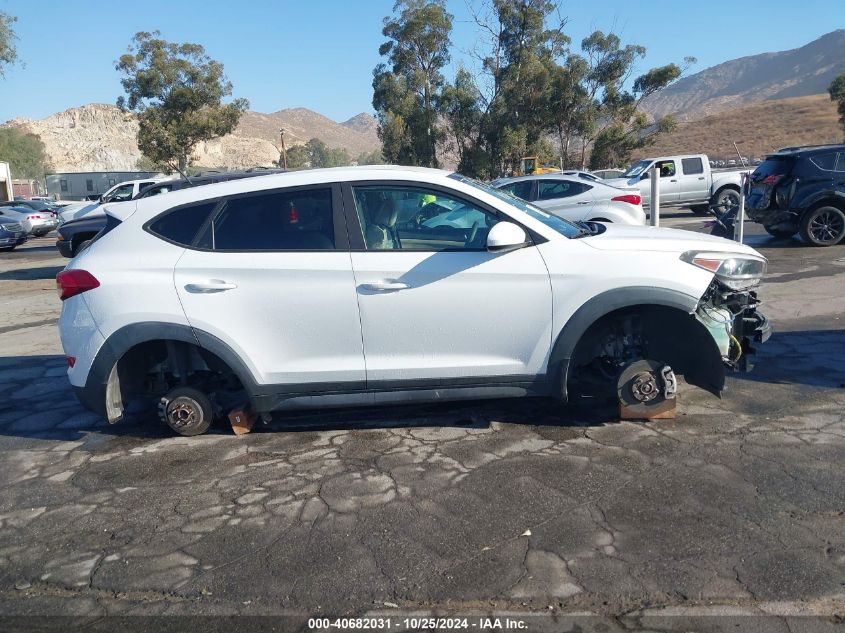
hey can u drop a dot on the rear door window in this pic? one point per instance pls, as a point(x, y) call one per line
point(273, 221)
point(692, 166)
point(553, 189)
point(840, 163)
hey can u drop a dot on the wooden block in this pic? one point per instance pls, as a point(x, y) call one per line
point(242, 419)
point(666, 411)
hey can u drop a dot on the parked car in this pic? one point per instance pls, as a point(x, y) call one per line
point(35, 205)
point(76, 234)
point(686, 180)
point(305, 289)
point(12, 234)
point(801, 190)
point(36, 223)
point(582, 174)
point(121, 192)
point(576, 199)
point(607, 174)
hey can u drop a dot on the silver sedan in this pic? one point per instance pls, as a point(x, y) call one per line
point(35, 223)
point(577, 199)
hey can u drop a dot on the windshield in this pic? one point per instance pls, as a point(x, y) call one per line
point(637, 168)
point(552, 221)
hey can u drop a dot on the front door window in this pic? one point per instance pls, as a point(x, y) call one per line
point(418, 219)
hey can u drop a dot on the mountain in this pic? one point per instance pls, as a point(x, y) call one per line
point(301, 125)
point(795, 73)
point(757, 129)
point(100, 137)
point(364, 123)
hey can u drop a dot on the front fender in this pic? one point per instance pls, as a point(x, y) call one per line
point(708, 373)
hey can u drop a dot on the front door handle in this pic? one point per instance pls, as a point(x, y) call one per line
point(673, 180)
point(385, 286)
point(212, 285)
point(585, 202)
point(701, 177)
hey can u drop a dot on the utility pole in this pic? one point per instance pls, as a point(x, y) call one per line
point(283, 157)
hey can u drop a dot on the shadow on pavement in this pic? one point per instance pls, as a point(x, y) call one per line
point(31, 274)
point(39, 402)
point(809, 357)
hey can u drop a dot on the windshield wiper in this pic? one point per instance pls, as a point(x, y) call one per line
point(584, 229)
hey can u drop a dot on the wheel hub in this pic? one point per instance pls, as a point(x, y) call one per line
point(183, 412)
point(644, 387)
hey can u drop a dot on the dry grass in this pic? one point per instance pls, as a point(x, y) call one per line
point(757, 129)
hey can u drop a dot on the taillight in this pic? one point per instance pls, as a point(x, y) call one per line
point(70, 283)
point(630, 198)
point(771, 179)
point(34, 217)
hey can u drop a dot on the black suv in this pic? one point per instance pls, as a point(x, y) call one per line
point(801, 190)
point(75, 235)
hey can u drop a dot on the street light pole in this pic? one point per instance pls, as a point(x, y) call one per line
point(284, 155)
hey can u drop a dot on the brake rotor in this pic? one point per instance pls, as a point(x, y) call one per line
point(646, 389)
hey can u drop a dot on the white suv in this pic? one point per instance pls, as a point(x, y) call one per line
point(357, 286)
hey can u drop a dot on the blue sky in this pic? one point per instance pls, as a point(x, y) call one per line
point(320, 54)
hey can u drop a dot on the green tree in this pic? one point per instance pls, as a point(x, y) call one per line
point(315, 154)
point(499, 115)
point(24, 152)
point(370, 158)
point(177, 92)
point(407, 89)
point(8, 52)
point(612, 113)
point(837, 94)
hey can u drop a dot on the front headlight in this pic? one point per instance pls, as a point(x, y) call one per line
point(736, 271)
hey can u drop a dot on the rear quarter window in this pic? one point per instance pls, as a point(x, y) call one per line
point(825, 162)
point(182, 224)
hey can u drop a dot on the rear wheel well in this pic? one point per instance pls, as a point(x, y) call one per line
point(826, 202)
point(152, 368)
point(653, 332)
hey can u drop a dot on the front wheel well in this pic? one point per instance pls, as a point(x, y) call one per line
point(654, 332)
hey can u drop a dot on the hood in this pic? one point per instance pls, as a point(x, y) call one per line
point(620, 237)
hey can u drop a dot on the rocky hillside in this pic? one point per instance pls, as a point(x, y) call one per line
point(757, 129)
point(795, 73)
point(99, 137)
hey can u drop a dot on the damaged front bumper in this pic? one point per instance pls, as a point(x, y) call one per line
point(734, 322)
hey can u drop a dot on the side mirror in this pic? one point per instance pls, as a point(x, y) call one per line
point(506, 236)
point(645, 175)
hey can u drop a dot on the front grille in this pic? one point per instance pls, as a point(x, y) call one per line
point(13, 228)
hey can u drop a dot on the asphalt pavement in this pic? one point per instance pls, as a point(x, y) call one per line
point(733, 511)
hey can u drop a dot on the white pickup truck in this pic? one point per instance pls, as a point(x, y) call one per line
point(686, 180)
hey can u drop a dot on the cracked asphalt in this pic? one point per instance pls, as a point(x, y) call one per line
point(734, 508)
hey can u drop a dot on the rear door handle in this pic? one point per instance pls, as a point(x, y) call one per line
point(385, 286)
point(701, 177)
point(212, 285)
point(585, 202)
point(673, 180)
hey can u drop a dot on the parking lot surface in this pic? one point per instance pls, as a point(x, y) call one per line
point(735, 507)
